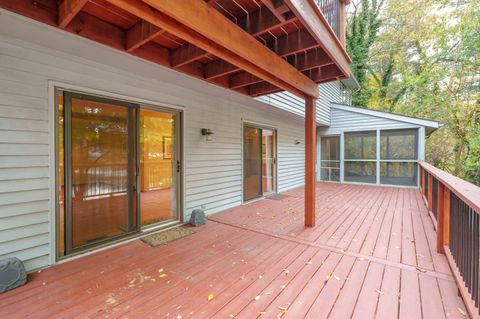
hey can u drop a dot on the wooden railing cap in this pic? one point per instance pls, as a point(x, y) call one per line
point(466, 191)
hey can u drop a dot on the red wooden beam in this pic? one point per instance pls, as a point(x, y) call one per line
point(310, 156)
point(195, 22)
point(255, 23)
point(283, 46)
point(312, 18)
point(303, 62)
point(67, 10)
point(141, 33)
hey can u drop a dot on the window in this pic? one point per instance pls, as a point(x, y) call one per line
point(398, 157)
point(360, 157)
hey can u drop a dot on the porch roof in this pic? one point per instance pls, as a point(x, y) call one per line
point(372, 255)
point(252, 47)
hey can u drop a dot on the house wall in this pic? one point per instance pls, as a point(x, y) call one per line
point(33, 55)
point(329, 93)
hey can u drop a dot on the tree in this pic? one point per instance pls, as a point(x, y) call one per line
point(362, 29)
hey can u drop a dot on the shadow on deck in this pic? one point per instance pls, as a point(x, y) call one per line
point(371, 255)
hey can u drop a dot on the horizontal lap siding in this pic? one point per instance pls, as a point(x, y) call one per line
point(329, 92)
point(342, 120)
point(213, 170)
point(24, 165)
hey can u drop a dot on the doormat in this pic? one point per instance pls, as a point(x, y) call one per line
point(167, 236)
point(277, 196)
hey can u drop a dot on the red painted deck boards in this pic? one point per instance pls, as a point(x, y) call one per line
point(259, 261)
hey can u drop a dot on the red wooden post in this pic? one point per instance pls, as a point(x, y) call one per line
point(446, 216)
point(440, 217)
point(310, 155)
point(430, 192)
point(422, 181)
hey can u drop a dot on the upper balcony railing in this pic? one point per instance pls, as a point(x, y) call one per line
point(454, 206)
point(331, 10)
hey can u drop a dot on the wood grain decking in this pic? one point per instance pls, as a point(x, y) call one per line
point(372, 255)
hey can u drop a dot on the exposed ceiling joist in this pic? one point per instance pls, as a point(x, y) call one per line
point(67, 10)
point(212, 32)
point(272, 8)
point(141, 33)
point(283, 46)
point(314, 21)
point(256, 23)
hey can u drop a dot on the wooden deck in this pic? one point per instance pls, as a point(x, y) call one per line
point(371, 256)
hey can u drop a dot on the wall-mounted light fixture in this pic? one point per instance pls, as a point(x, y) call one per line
point(207, 133)
point(296, 142)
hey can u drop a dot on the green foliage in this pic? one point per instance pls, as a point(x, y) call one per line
point(361, 33)
point(424, 62)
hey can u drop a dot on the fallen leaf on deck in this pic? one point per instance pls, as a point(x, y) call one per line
point(327, 277)
point(308, 262)
point(379, 291)
point(420, 269)
point(260, 277)
point(163, 275)
point(287, 271)
point(210, 297)
point(242, 277)
point(336, 277)
point(160, 270)
point(412, 241)
point(261, 313)
point(283, 286)
point(462, 312)
point(232, 316)
point(257, 298)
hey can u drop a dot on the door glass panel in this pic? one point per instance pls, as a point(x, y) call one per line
point(252, 162)
point(268, 161)
point(157, 167)
point(100, 171)
point(330, 160)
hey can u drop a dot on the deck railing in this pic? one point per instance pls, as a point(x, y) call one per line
point(331, 11)
point(454, 206)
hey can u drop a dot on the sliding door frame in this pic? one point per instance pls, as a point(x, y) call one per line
point(132, 180)
point(259, 126)
point(54, 88)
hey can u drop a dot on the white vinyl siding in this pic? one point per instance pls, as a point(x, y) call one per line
point(329, 92)
point(342, 120)
point(32, 54)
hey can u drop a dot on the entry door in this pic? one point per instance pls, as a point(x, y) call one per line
point(330, 159)
point(99, 170)
point(259, 162)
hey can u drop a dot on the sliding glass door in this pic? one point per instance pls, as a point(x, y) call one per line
point(259, 162)
point(118, 169)
point(158, 166)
